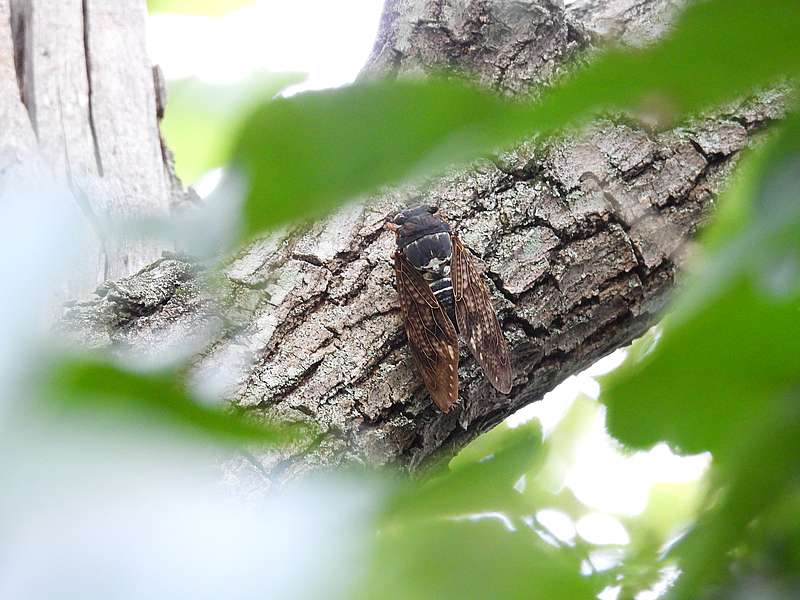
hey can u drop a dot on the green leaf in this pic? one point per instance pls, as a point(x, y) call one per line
point(731, 345)
point(710, 378)
point(468, 534)
point(724, 375)
point(95, 387)
point(474, 486)
point(478, 559)
point(765, 470)
point(202, 118)
point(497, 441)
point(196, 7)
point(305, 155)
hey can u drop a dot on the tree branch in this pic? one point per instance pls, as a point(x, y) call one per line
point(582, 241)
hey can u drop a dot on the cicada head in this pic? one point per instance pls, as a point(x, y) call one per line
point(417, 222)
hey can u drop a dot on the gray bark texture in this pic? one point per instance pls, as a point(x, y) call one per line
point(78, 107)
point(581, 240)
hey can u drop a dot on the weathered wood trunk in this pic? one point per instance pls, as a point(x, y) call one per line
point(78, 105)
point(581, 240)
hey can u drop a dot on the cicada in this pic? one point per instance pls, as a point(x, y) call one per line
point(443, 296)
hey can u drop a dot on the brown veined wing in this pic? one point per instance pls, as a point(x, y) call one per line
point(431, 336)
point(477, 321)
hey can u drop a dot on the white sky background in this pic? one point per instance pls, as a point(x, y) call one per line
point(330, 41)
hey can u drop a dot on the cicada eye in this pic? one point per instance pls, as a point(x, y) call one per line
point(433, 209)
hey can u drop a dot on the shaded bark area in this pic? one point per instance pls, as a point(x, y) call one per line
point(581, 239)
point(509, 46)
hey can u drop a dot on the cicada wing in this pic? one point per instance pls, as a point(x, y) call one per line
point(477, 321)
point(431, 336)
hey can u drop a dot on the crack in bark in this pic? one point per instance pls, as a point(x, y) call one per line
point(80, 197)
point(20, 16)
point(92, 125)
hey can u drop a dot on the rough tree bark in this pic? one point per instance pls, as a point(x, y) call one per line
point(78, 105)
point(581, 240)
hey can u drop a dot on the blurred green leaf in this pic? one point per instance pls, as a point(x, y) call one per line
point(196, 7)
point(765, 470)
point(472, 559)
point(476, 484)
point(497, 441)
point(731, 345)
point(305, 155)
point(98, 388)
point(671, 509)
point(710, 379)
point(468, 534)
point(202, 118)
point(725, 373)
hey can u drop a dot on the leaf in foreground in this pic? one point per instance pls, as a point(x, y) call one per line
point(467, 534)
point(724, 375)
point(201, 118)
point(730, 347)
point(305, 155)
point(100, 388)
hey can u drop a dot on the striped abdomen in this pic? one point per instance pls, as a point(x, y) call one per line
point(430, 254)
point(443, 290)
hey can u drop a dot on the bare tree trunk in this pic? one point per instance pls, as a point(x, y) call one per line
point(581, 240)
point(78, 105)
